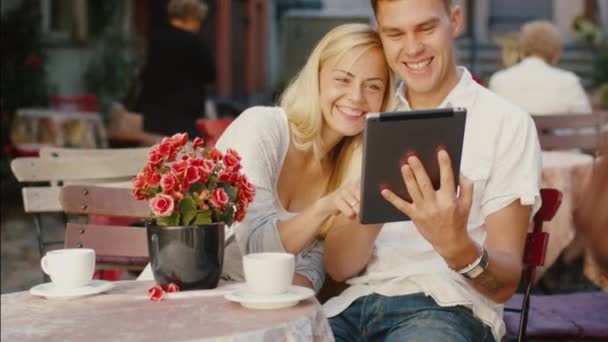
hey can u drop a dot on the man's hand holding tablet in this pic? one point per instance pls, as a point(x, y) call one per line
point(401, 153)
point(440, 215)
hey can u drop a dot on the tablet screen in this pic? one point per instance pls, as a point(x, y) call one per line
point(389, 139)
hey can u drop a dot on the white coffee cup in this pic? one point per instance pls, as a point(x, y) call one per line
point(268, 273)
point(69, 268)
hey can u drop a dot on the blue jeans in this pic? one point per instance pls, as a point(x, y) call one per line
point(413, 317)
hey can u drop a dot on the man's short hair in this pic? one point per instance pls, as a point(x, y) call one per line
point(374, 3)
point(187, 9)
point(541, 39)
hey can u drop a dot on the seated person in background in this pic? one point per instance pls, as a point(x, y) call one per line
point(536, 84)
point(304, 156)
point(178, 68)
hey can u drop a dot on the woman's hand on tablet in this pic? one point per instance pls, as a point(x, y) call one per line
point(344, 201)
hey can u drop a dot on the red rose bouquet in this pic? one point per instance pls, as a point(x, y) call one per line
point(188, 184)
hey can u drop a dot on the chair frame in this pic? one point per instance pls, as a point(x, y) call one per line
point(534, 252)
point(116, 246)
point(43, 176)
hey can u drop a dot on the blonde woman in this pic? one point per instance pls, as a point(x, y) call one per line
point(304, 156)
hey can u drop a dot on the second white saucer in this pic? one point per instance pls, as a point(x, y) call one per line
point(254, 301)
point(49, 290)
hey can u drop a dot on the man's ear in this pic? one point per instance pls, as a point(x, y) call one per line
point(457, 20)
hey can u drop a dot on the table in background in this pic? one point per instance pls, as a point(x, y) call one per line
point(126, 314)
point(33, 128)
point(569, 172)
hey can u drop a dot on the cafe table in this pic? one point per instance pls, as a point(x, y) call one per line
point(125, 313)
point(33, 128)
point(569, 172)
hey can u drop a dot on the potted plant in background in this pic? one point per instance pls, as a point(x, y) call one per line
point(194, 193)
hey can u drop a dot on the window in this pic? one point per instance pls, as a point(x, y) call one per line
point(64, 21)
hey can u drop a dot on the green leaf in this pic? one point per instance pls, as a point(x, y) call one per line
point(187, 217)
point(166, 221)
point(153, 191)
point(186, 205)
point(197, 187)
point(202, 217)
point(187, 209)
point(230, 191)
point(228, 216)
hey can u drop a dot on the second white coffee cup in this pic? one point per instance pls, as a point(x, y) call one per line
point(268, 273)
point(69, 268)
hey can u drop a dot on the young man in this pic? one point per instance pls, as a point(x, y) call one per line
point(443, 275)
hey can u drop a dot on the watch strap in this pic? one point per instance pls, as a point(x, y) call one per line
point(477, 267)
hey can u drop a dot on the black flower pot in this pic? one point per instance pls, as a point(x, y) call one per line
point(192, 257)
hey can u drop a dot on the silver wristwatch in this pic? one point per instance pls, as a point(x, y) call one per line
point(477, 267)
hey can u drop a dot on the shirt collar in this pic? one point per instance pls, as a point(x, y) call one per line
point(462, 95)
point(533, 60)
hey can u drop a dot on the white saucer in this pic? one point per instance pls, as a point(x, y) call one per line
point(285, 300)
point(49, 290)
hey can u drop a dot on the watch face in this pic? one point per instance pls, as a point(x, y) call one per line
point(475, 272)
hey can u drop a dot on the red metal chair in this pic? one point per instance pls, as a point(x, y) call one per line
point(212, 129)
point(534, 253)
point(80, 103)
point(569, 317)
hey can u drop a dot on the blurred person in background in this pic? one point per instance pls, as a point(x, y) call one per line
point(536, 83)
point(178, 68)
point(592, 216)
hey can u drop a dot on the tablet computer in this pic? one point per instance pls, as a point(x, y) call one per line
point(389, 139)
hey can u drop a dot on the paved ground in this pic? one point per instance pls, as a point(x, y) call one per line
point(20, 266)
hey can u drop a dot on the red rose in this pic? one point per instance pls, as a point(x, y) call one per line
point(155, 158)
point(215, 154)
point(192, 175)
point(166, 147)
point(162, 205)
point(207, 166)
point(229, 176)
point(139, 182)
point(219, 198)
point(139, 194)
point(179, 167)
point(156, 293)
point(196, 162)
point(246, 186)
point(179, 139)
point(172, 288)
point(244, 197)
point(153, 179)
point(239, 216)
point(168, 183)
point(231, 158)
point(198, 141)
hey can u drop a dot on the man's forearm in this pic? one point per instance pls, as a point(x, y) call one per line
point(500, 279)
point(348, 249)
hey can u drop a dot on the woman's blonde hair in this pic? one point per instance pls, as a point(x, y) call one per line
point(301, 102)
